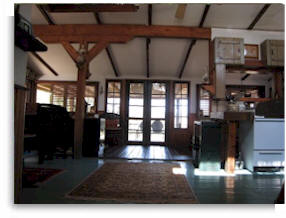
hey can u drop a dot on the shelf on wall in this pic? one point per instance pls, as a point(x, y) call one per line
point(27, 42)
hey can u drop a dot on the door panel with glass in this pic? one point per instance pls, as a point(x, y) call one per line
point(135, 111)
point(146, 112)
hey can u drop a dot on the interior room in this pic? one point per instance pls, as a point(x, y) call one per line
point(149, 103)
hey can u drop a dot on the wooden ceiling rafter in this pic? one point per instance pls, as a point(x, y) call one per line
point(45, 14)
point(44, 63)
point(258, 16)
point(148, 41)
point(193, 42)
point(81, 8)
point(108, 49)
point(245, 77)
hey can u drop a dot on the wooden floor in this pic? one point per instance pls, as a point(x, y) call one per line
point(152, 152)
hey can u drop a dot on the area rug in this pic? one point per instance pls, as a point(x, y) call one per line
point(136, 183)
point(32, 177)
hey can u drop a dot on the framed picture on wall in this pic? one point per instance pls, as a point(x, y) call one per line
point(251, 51)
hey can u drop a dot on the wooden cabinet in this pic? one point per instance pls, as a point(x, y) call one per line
point(229, 51)
point(272, 52)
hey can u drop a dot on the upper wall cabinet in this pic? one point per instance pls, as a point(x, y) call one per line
point(229, 51)
point(272, 52)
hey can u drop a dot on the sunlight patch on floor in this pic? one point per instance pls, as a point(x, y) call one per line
point(198, 172)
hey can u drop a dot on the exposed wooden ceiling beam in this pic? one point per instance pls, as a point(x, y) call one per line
point(205, 13)
point(44, 63)
point(259, 15)
point(65, 8)
point(245, 77)
point(193, 42)
point(114, 33)
point(107, 49)
point(148, 41)
point(46, 15)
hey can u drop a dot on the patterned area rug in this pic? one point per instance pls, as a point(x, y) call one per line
point(136, 183)
point(33, 176)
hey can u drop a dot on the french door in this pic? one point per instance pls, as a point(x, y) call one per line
point(146, 112)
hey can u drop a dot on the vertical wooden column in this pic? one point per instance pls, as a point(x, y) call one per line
point(170, 103)
point(82, 60)
point(123, 106)
point(19, 121)
point(230, 150)
point(80, 111)
point(278, 84)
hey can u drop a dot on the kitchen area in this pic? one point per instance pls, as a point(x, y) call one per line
point(245, 126)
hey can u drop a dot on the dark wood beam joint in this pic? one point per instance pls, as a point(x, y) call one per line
point(70, 50)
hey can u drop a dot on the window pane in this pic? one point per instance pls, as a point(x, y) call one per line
point(181, 111)
point(135, 99)
point(109, 108)
point(136, 111)
point(181, 105)
point(116, 108)
point(178, 88)
point(158, 126)
point(204, 106)
point(110, 87)
point(185, 88)
point(136, 88)
point(113, 97)
point(117, 87)
point(181, 122)
point(158, 100)
point(116, 100)
point(135, 125)
point(135, 136)
point(158, 112)
point(181, 101)
point(158, 88)
point(43, 97)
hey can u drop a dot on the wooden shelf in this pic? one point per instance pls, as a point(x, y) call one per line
point(254, 99)
point(255, 65)
point(27, 42)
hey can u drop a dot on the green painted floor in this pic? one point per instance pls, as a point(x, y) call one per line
point(239, 189)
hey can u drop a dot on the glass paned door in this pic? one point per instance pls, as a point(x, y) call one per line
point(136, 112)
point(158, 112)
point(146, 112)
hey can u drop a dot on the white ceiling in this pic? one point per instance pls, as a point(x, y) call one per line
point(166, 55)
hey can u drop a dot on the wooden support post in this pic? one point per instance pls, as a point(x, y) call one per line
point(80, 111)
point(19, 121)
point(278, 84)
point(82, 62)
point(230, 150)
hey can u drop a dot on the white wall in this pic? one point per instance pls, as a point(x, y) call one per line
point(20, 57)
